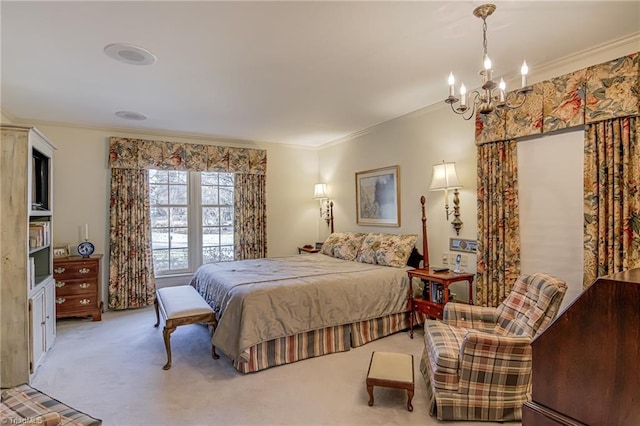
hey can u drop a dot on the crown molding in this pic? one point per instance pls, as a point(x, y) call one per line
point(629, 43)
point(156, 134)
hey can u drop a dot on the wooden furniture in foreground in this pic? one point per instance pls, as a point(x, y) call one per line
point(78, 289)
point(182, 305)
point(391, 370)
point(27, 309)
point(586, 365)
point(435, 282)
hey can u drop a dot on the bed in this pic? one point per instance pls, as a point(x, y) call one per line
point(275, 311)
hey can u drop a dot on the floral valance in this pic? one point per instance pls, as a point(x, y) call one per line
point(592, 94)
point(127, 153)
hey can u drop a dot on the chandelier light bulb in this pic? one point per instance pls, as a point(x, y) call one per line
point(451, 81)
point(487, 62)
point(463, 95)
point(503, 86)
point(524, 71)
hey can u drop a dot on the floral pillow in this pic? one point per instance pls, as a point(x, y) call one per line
point(394, 250)
point(367, 251)
point(343, 245)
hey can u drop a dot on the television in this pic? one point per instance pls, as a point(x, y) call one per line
point(39, 181)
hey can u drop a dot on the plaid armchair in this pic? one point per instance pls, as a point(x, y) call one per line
point(477, 361)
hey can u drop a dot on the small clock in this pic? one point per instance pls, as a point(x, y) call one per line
point(85, 249)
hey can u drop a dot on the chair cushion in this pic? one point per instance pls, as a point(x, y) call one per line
point(182, 301)
point(533, 299)
point(443, 342)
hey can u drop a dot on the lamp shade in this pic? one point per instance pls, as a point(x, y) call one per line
point(320, 191)
point(444, 177)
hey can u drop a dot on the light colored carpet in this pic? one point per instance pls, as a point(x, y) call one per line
point(112, 370)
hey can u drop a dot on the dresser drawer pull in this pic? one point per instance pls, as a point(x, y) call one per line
point(59, 270)
point(60, 300)
point(84, 285)
point(60, 284)
point(84, 270)
point(85, 301)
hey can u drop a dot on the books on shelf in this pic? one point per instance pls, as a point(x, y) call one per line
point(31, 273)
point(39, 234)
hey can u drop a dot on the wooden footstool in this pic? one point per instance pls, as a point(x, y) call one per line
point(182, 305)
point(391, 370)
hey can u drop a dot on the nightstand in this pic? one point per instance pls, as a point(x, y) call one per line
point(308, 250)
point(436, 293)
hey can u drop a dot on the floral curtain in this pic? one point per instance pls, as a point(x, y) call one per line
point(131, 279)
point(611, 197)
point(498, 222)
point(250, 216)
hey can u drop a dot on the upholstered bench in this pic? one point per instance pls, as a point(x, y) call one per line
point(182, 305)
point(24, 405)
point(391, 370)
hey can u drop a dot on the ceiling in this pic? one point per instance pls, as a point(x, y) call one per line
point(303, 73)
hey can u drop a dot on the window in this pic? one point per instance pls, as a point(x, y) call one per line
point(191, 219)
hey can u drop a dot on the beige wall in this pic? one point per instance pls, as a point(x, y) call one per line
point(417, 141)
point(81, 189)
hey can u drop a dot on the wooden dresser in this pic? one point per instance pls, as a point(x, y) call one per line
point(78, 289)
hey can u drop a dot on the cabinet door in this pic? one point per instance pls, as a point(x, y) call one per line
point(38, 322)
point(50, 314)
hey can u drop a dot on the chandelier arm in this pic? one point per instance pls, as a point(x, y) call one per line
point(515, 99)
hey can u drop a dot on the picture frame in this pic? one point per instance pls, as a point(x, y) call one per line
point(378, 197)
point(62, 250)
point(463, 245)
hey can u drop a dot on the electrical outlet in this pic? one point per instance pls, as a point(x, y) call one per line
point(464, 260)
point(445, 258)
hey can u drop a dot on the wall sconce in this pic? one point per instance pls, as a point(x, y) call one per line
point(320, 193)
point(445, 178)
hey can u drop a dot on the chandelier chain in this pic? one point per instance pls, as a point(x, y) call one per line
point(484, 35)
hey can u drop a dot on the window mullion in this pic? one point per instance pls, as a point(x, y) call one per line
point(195, 220)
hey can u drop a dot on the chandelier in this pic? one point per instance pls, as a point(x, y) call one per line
point(491, 95)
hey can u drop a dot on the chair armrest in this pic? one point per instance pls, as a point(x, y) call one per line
point(493, 365)
point(470, 316)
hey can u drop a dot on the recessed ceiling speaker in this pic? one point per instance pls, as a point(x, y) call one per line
point(129, 54)
point(130, 115)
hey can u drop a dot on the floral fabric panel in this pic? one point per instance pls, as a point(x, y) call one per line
point(526, 120)
point(498, 222)
point(612, 89)
point(173, 156)
point(217, 158)
point(368, 249)
point(564, 101)
point(125, 153)
point(611, 197)
point(490, 127)
point(394, 250)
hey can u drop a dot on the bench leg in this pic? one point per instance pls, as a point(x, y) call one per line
point(155, 303)
point(370, 391)
point(409, 398)
point(211, 326)
point(167, 344)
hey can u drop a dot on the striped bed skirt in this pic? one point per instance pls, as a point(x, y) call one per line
point(341, 338)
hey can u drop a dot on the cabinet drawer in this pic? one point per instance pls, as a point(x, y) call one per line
point(76, 302)
point(76, 269)
point(65, 287)
point(428, 308)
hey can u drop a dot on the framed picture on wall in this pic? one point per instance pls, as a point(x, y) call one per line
point(378, 197)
